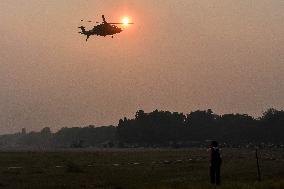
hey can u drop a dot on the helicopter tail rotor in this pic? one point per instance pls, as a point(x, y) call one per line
point(83, 30)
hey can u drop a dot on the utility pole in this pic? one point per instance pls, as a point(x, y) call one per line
point(257, 164)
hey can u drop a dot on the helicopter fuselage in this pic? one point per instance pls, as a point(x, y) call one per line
point(103, 29)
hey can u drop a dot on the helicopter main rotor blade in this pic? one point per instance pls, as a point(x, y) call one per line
point(120, 23)
point(90, 21)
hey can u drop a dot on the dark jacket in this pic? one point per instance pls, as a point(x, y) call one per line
point(215, 159)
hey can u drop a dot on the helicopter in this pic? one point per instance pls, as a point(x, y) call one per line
point(102, 29)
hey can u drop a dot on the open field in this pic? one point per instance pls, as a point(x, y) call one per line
point(141, 168)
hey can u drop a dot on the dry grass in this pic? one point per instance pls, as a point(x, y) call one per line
point(149, 169)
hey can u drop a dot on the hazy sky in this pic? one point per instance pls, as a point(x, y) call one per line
point(181, 55)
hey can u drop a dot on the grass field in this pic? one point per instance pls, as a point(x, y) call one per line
point(133, 169)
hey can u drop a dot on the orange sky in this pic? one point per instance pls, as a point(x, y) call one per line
point(183, 55)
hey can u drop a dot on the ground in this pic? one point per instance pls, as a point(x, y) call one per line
point(138, 168)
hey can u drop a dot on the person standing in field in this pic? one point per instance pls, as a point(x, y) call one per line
point(215, 163)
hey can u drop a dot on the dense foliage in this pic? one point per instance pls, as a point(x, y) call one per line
point(163, 128)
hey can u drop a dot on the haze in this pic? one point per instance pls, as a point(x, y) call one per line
point(183, 55)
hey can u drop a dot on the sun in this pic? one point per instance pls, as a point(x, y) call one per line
point(125, 21)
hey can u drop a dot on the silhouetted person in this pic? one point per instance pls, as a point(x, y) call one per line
point(215, 163)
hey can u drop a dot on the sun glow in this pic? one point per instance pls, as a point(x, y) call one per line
point(125, 21)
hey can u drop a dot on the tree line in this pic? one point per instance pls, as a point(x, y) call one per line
point(163, 129)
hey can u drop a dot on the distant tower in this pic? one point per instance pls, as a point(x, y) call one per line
point(24, 131)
